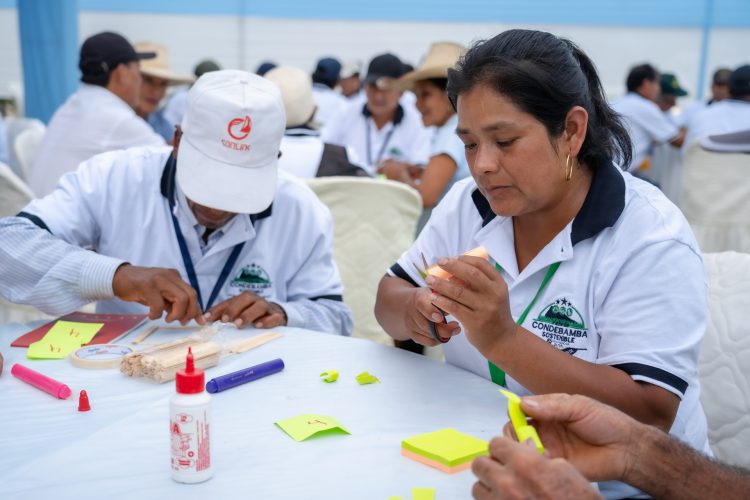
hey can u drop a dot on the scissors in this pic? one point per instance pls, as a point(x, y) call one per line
point(423, 273)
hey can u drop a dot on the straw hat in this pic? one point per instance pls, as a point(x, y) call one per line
point(297, 94)
point(158, 67)
point(440, 57)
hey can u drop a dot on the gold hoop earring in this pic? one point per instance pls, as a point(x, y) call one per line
point(569, 168)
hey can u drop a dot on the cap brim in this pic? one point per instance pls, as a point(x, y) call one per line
point(172, 78)
point(145, 55)
point(223, 186)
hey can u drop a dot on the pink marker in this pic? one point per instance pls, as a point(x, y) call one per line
point(40, 381)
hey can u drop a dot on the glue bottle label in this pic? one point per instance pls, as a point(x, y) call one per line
point(190, 443)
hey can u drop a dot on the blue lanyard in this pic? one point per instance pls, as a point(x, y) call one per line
point(231, 261)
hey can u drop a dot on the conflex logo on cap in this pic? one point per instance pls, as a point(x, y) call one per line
point(238, 129)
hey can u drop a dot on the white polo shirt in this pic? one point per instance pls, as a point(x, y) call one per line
point(723, 117)
point(91, 121)
point(121, 204)
point(630, 291)
point(404, 139)
point(647, 125)
point(330, 104)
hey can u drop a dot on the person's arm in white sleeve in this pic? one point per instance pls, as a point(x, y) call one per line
point(38, 269)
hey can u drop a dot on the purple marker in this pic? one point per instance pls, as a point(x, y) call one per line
point(245, 375)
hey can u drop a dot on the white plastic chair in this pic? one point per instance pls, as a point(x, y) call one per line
point(16, 126)
point(716, 199)
point(26, 147)
point(374, 223)
point(14, 193)
point(724, 363)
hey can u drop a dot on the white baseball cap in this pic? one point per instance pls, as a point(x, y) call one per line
point(227, 158)
point(297, 93)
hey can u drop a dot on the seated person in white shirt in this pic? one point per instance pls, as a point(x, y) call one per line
point(99, 116)
point(727, 115)
point(303, 152)
point(381, 130)
point(644, 120)
point(208, 230)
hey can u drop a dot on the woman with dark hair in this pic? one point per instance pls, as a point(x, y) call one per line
point(595, 284)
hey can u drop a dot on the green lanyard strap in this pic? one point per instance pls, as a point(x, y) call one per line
point(497, 374)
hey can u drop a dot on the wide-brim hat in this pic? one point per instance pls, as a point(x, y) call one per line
point(440, 57)
point(159, 67)
point(227, 158)
point(296, 92)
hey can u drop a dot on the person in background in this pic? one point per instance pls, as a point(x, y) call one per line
point(644, 120)
point(669, 91)
point(381, 128)
point(157, 76)
point(330, 104)
point(720, 85)
point(99, 116)
point(586, 441)
point(447, 159)
point(303, 152)
point(207, 230)
point(727, 115)
point(350, 83)
point(265, 67)
point(574, 294)
point(174, 110)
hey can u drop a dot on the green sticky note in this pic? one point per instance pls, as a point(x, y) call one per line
point(63, 338)
point(365, 378)
point(446, 446)
point(304, 426)
point(423, 494)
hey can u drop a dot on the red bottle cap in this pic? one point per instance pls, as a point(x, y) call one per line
point(190, 380)
point(83, 402)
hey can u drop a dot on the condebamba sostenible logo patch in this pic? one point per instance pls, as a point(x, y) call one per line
point(562, 325)
point(252, 277)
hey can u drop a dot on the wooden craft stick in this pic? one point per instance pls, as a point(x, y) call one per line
point(253, 342)
point(143, 336)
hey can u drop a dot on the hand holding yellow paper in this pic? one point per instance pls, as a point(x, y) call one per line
point(304, 426)
point(63, 338)
point(518, 418)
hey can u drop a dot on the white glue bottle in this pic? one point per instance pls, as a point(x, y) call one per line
point(190, 426)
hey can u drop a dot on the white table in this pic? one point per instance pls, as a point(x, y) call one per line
point(120, 449)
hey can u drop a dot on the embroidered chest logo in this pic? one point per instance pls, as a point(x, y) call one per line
point(561, 325)
point(253, 278)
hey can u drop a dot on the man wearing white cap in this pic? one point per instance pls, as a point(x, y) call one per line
point(209, 230)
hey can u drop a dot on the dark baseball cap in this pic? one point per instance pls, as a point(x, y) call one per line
point(739, 82)
point(670, 85)
point(384, 66)
point(327, 71)
point(101, 53)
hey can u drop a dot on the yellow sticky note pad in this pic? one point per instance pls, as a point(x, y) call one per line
point(304, 426)
point(63, 338)
point(446, 449)
point(518, 418)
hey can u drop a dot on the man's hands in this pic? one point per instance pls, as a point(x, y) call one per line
point(248, 309)
point(517, 471)
point(582, 437)
point(160, 290)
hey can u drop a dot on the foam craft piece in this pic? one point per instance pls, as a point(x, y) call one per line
point(63, 338)
point(439, 272)
point(305, 426)
point(365, 378)
point(330, 376)
point(523, 430)
point(447, 449)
